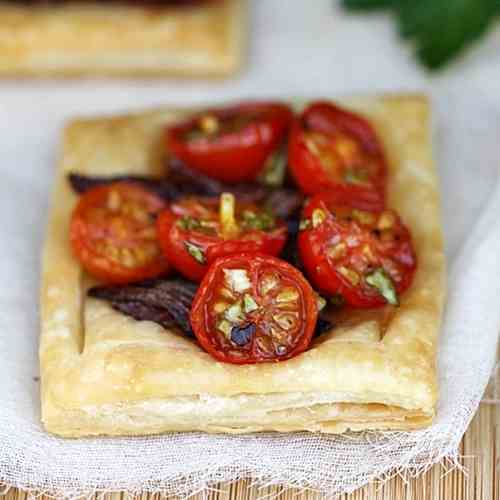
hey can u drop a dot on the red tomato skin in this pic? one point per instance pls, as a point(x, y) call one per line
point(327, 118)
point(237, 156)
point(306, 168)
point(198, 309)
point(98, 265)
point(172, 240)
point(326, 279)
point(272, 244)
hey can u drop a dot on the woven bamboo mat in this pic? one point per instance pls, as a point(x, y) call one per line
point(480, 447)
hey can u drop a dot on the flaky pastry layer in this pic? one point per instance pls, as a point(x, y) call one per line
point(105, 373)
point(92, 38)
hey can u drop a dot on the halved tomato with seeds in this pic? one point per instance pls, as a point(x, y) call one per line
point(335, 150)
point(253, 308)
point(366, 257)
point(231, 144)
point(195, 231)
point(113, 233)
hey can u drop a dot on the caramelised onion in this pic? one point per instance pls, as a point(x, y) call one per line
point(182, 181)
point(166, 302)
point(83, 183)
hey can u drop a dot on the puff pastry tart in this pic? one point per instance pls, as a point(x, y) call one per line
point(121, 38)
point(172, 296)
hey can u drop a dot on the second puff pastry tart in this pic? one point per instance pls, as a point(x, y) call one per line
point(104, 373)
point(150, 38)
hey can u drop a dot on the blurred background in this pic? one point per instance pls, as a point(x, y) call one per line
point(304, 48)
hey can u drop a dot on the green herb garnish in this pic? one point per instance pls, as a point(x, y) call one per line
point(439, 29)
point(188, 223)
point(320, 302)
point(273, 174)
point(249, 304)
point(357, 176)
point(263, 221)
point(195, 251)
point(337, 300)
point(305, 224)
point(381, 280)
point(194, 135)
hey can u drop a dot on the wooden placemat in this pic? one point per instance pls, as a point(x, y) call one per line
point(480, 448)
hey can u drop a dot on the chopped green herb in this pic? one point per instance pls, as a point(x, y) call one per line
point(337, 300)
point(188, 223)
point(305, 224)
point(263, 221)
point(357, 176)
point(195, 251)
point(274, 171)
point(249, 304)
point(194, 134)
point(381, 280)
point(234, 313)
point(225, 327)
point(320, 302)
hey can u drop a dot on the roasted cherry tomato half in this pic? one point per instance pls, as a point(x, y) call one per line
point(364, 258)
point(253, 308)
point(231, 144)
point(331, 149)
point(195, 231)
point(113, 233)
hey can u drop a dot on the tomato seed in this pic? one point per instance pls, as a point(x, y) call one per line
point(209, 124)
point(363, 217)
point(386, 221)
point(337, 251)
point(127, 258)
point(346, 148)
point(349, 274)
point(287, 295)
point(286, 320)
point(268, 282)
point(220, 307)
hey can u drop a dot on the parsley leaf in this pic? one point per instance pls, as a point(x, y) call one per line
point(368, 4)
point(439, 29)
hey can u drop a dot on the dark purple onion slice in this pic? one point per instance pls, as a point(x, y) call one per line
point(166, 302)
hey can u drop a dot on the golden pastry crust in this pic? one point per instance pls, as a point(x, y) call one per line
point(105, 373)
point(118, 40)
